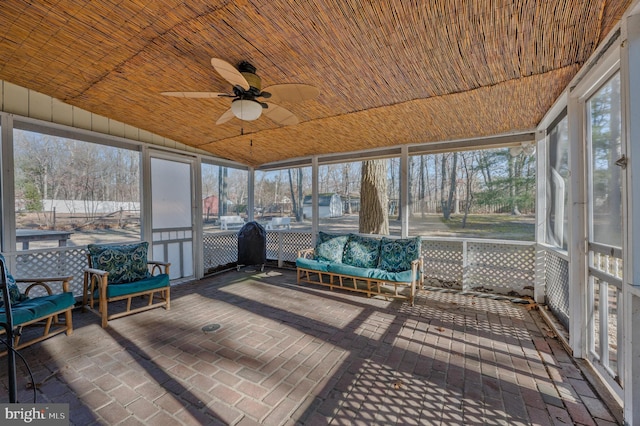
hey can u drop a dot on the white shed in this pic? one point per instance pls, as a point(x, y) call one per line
point(329, 205)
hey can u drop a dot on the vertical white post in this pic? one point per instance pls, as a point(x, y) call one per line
point(577, 238)
point(630, 89)
point(280, 249)
point(198, 234)
point(315, 210)
point(465, 266)
point(539, 288)
point(145, 191)
point(404, 191)
point(7, 191)
point(251, 181)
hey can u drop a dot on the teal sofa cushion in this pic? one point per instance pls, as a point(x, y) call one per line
point(396, 254)
point(38, 307)
point(330, 247)
point(354, 271)
point(361, 251)
point(315, 265)
point(397, 277)
point(125, 263)
point(149, 283)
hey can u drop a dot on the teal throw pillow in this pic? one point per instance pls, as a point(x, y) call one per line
point(330, 247)
point(15, 296)
point(125, 263)
point(396, 254)
point(362, 251)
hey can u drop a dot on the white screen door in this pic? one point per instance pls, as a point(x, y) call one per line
point(605, 230)
point(172, 214)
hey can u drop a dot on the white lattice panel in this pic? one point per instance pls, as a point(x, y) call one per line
point(288, 242)
point(219, 249)
point(500, 268)
point(293, 242)
point(53, 262)
point(272, 245)
point(442, 263)
point(556, 277)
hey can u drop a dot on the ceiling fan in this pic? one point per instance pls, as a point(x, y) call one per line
point(247, 88)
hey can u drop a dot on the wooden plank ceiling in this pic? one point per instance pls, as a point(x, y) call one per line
point(389, 72)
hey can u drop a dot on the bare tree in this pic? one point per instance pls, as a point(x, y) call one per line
point(347, 187)
point(467, 164)
point(447, 204)
point(296, 200)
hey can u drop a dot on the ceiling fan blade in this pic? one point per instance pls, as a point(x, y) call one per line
point(230, 73)
point(226, 116)
point(280, 115)
point(292, 92)
point(197, 94)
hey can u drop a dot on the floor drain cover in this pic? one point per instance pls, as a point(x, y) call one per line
point(210, 327)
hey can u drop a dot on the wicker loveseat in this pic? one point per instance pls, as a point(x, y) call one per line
point(389, 267)
point(122, 272)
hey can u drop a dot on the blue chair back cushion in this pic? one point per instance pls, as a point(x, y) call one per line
point(15, 296)
point(125, 263)
point(330, 247)
point(396, 254)
point(362, 251)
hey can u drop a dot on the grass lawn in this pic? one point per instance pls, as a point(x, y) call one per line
point(495, 226)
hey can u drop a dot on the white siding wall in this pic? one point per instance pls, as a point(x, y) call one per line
point(27, 103)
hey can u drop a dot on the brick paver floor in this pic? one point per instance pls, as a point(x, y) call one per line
point(286, 354)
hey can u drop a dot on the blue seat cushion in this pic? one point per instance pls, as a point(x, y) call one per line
point(38, 307)
point(361, 251)
point(396, 254)
point(354, 271)
point(315, 265)
point(149, 283)
point(125, 263)
point(397, 277)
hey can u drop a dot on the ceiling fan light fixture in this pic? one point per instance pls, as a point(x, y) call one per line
point(246, 109)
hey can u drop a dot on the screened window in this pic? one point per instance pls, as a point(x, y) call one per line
point(283, 194)
point(73, 192)
point(224, 194)
point(488, 193)
point(604, 131)
point(338, 197)
point(342, 204)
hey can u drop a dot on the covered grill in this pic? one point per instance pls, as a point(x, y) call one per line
point(252, 245)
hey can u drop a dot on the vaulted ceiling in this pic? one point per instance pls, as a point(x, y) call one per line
point(389, 72)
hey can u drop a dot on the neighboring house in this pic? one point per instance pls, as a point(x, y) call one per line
point(329, 205)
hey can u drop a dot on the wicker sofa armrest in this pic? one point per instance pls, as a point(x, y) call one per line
point(307, 253)
point(158, 267)
point(45, 282)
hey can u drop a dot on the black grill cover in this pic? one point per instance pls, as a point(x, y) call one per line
point(252, 244)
